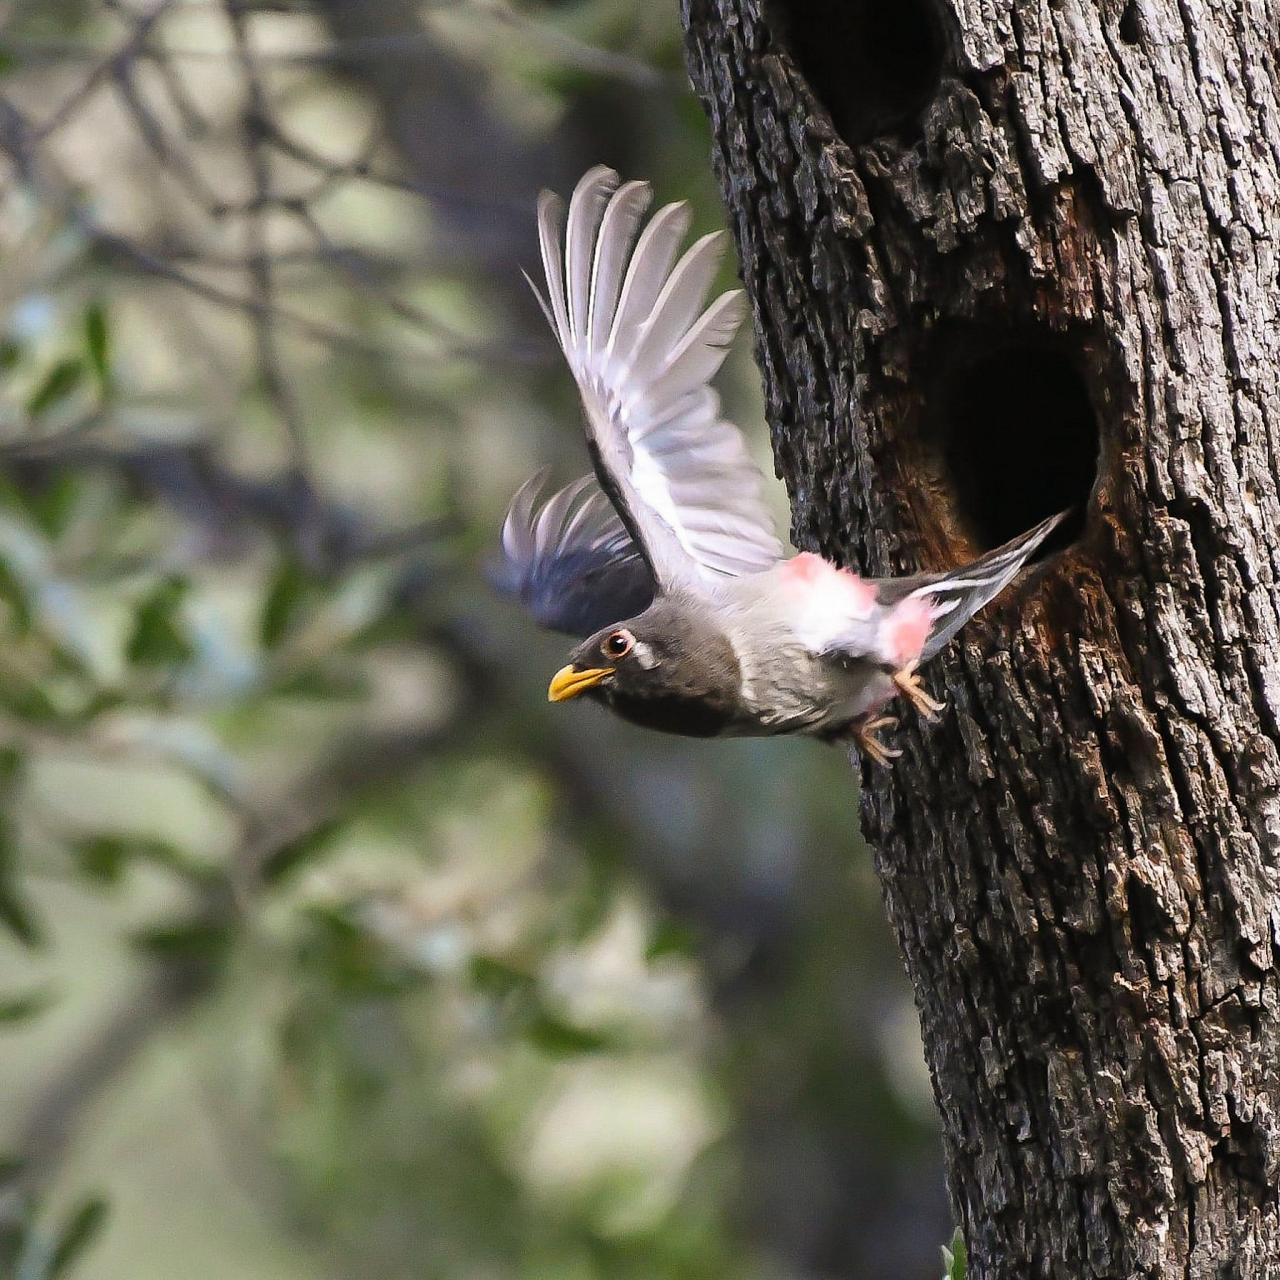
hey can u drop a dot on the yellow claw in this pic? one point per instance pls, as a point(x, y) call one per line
point(911, 687)
point(871, 746)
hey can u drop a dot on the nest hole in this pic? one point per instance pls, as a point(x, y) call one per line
point(1128, 26)
point(1019, 440)
point(874, 64)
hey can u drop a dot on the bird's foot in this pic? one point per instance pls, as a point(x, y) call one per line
point(908, 683)
point(871, 746)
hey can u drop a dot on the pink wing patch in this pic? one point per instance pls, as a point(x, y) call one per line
point(840, 587)
point(829, 607)
point(904, 631)
point(803, 568)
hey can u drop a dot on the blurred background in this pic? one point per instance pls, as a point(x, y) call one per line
point(327, 948)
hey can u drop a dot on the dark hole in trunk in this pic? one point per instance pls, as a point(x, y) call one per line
point(1017, 435)
point(1128, 28)
point(874, 64)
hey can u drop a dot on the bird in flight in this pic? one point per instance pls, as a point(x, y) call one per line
point(666, 559)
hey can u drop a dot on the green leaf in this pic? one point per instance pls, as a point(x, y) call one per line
point(25, 700)
point(185, 939)
point(671, 938)
point(27, 1005)
point(313, 682)
point(58, 384)
point(284, 603)
point(79, 1233)
point(290, 856)
point(562, 1039)
point(159, 635)
point(10, 354)
point(99, 702)
point(498, 978)
point(52, 504)
point(98, 342)
point(352, 962)
point(11, 761)
point(17, 916)
point(14, 594)
point(104, 857)
point(955, 1258)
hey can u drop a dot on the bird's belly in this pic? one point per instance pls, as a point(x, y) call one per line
point(813, 695)
point(871, 695)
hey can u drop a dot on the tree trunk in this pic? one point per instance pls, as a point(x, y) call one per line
point(1006, 256)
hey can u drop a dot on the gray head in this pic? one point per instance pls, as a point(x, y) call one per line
point(665, 669)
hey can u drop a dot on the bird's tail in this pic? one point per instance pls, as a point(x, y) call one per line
point(958, 594)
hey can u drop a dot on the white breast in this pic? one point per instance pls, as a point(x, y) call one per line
point(786, 686)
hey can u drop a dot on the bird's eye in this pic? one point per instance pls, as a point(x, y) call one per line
point(617, 644)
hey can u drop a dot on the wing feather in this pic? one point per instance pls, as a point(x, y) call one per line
point(703, 350)
point(833, 611)
point(651, 259)
point(955, 596)
point(617, 234)
point(676, 307)
point(569, 560)
point(586, 211)
point(643, 348)
point(550, 241)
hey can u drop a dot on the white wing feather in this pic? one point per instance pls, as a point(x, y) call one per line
point(643, 350)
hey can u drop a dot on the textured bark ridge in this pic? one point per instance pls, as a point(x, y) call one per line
point(1006, 255)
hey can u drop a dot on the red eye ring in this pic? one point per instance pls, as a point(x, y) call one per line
point(617, 644)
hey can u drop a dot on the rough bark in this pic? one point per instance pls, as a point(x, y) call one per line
point(1004, 254)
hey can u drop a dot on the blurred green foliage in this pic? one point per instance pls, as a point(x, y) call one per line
point(326, 947)
point(955, 1258)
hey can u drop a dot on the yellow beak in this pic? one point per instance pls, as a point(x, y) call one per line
point(568, 683)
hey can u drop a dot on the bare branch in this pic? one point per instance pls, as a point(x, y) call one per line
point(260, 270)
point(143, 25)
point(19, 142)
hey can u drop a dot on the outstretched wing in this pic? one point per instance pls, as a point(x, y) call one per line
point(569, 559)
point(643, 350)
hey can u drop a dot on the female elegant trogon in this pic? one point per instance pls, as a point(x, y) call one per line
point(667, 559)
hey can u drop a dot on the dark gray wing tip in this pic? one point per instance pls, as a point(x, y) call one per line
point(569, 560)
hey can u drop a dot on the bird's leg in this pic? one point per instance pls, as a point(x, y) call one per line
point(864, 734)
point(909, 684)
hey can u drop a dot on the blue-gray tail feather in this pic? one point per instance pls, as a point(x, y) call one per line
point(958, 594)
